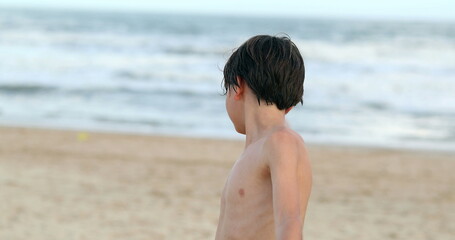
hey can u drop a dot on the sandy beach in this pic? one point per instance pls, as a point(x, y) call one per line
point(72, 185)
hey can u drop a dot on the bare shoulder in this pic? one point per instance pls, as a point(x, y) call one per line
point(285, 145)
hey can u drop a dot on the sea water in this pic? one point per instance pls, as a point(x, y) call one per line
point(383, 83)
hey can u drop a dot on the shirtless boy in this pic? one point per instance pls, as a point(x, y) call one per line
point(267, 191)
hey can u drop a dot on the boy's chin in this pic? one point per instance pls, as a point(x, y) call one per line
point(241, 131)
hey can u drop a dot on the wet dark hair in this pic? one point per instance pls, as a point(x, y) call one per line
point(271, 66)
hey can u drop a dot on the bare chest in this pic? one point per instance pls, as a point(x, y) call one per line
point(248, 181)
point(247, 206)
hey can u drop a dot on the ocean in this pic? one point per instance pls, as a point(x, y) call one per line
point(375, 83)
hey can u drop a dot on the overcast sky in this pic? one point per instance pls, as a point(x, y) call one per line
point(383, 9)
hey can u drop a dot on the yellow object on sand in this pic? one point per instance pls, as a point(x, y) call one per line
point(82, 136)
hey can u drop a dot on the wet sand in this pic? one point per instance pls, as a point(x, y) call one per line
point(71, 185)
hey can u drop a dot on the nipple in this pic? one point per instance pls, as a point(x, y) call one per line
point(241, 192)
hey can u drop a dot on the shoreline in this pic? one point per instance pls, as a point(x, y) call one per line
point(239, 138)
point(56, 183)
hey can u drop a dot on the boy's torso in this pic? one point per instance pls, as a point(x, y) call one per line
point(247, 206)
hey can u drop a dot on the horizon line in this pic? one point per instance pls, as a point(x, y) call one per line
point(228, 14)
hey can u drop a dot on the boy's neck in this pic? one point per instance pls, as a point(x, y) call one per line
point(260, 120)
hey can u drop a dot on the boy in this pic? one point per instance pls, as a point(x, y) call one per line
point(267, 191)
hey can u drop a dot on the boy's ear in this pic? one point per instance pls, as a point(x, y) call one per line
point(240, 89)
point(287, 110)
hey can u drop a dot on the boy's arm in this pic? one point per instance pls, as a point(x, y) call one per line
point(282, 152)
